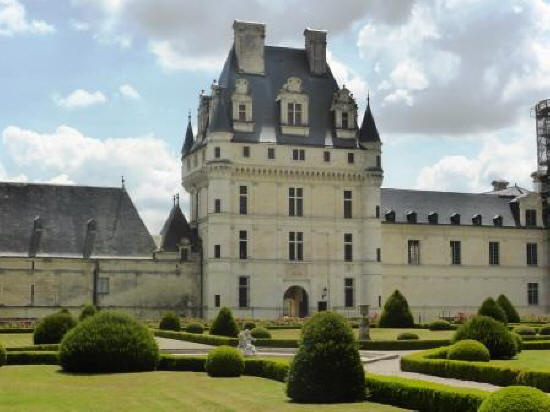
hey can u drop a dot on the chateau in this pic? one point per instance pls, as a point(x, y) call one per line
point(287, 215)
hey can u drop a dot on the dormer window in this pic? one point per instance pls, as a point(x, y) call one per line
point(497, 220)
point(242, 112)
point(411, 216)
point(293, 108)
point(433, 218)
point(345, 114)
point(390, 215)
point(242, 107)
point(455, 219)
point(477, 220)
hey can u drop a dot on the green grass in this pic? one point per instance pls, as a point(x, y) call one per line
point(10, 340)
point(531, 359)
point(45, 388)
point(375, 333)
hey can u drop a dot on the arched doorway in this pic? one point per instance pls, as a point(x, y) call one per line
point(295, 302)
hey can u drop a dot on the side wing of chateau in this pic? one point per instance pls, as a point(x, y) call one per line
point(287, 215)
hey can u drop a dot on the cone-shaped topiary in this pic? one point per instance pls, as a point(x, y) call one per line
point(492, 309)
point(170, 321)
point(327, 367)
point(224, 324)
point(396, 313)
point(109, 342)
point(511, 313)
point(515, 399)
point(52, 328)
point(87, 311)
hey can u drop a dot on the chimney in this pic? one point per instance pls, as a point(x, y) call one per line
point(249, 46)
point(316, 50)
point(499, 185)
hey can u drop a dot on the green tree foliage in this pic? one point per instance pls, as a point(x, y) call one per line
point(396, 313)
point(515, 399)
point(511, 313)
point(493, 334)
point(490, 308)
point(170, 321)
point(224, 361)
point(87, 311)
point(224, 324)
point(52, 328)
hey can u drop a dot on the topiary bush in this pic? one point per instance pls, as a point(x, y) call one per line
point(524, 331)
point(3, 355)
point(407, 336)
point(396, 313)
point(194, 327)
point(518, 340)
point(249, 325)
point(87, 311)
point(469, 350)
point(490, 308)
point(544, 330)
point(327, 367)
point(52, 328)
point(170, 321)
point(439, 325)
point(515, 399)
point(493, 334)
point(224, 324)
point(512, 314)
point(260, 333)
point(224, 361)
point(109, 342)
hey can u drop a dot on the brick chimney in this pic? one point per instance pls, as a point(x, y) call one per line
point(249, 46)
point(316, 50)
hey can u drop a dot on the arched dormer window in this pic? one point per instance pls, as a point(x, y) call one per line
point(345, 114)
point(455, 219)
point(389, 215)
point(477, 220)
point(242, 107)
point(293, 108)
point(497, 220)
point(433, 218)
point(411, 216)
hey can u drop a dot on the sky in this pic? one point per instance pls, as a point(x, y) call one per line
point(92, 90)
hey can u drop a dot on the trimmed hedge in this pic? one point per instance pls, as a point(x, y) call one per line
point(403, 344)
point(249, 325)
point(469, 350)
point(224, 361)
point(396, 313)
point(516, 398)
point(197, 338)
point(33, 358)
point(407, 336)
point(17, 330)
point(260, 333)
point(170, 321)
point(538, 345)
point(224, 324)
point(194, 327)
point(52, 328)
point(511, 313)
point(440, 325)
point(544, 330)
point(524, 331)
point(46, 347)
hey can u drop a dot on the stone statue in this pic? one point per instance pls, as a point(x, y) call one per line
point(245, 343)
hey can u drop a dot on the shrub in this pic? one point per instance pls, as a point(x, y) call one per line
point(524, 331)
point(490, 308)
point(109, 342)
point(87, 311)
point(469, 350)
point(544, 330)
point(3, 355)
point(260, 333)
point(439, 325)
point(249, 325)
point(511, 313)
point(516, 398)
point(224, 324)
point(407, 336)
point(493, 334)
point(170, 321)
point(224, 361)
point(518, 341)
point(327, 367)
point(194, 327)
point(396, 313)
point(52, 328)
point(32, 358)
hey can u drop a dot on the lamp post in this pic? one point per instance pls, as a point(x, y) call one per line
point(364, 330)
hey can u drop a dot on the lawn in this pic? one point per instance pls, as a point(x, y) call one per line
point(10, 340)
point(532, 359)
point(375, 333)
point(45, 388)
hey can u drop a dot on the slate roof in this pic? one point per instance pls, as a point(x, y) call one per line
point(188, 141)
point(174, 230)
point(65, 213)
point(446, 203)
point(368, 133)
point(280, 64)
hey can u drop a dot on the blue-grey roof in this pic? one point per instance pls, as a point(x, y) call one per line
point(188, 141)
point(174, 230)
point(66, 215)
point(368, 132)
point(280, 64)
point(446, 203)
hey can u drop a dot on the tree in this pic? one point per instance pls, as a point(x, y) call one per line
point(492, 309)
point(511, 312)
point(224, 324)
point(396, 313)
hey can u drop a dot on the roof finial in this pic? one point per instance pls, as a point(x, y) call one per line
point(174, 200)
point(177, 199)
point(189, 116)
point(368, 97)
point(122, 181)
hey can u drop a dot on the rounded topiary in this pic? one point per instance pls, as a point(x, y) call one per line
point(493, 334)
point(544, 330)
point(439, 325)
point(327, 367)
point(224, 324)
point(249, 325)
point(511, 313)
point(407, 336)
point(396, 313)
point(109, 342)
point(490, 308)
point(524, 331)
point(515, 399)
point(52, 328)
point(260, 333)
point(170, 321)
point(224, 361)
point(469, 350)
point(87, 311)
point(194, 327)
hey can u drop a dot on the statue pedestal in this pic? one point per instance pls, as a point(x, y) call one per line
point(364, 327)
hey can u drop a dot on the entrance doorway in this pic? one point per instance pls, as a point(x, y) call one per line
point(295, 302)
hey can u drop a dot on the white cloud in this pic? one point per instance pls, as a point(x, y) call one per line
point(128, 91)
point(171, 59)
point(80, 98)
point(77, 25)
point(399, 96)
point(345, 75)
point(409, 74)
point(13, 20)
point(67, 156)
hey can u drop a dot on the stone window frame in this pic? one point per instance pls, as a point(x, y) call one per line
point(241, 102)
point(292, 93)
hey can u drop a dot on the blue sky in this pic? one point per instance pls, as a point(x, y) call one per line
point(92, 90)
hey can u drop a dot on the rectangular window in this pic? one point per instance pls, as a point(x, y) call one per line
point(348, 247)
point(326, 156)
point(217, 251)
point(243, 291)
point(414, 252)
point(345, 120)
point(377, 212)
point(217, 301)
point(295, 114)
point(184, 255)
point(243, 200)
point(533, 293)
point(217, 152)
point(103, 286)
point(455, 252)
point(246, 151)
point(271, 153)
point(347, 204)
point(295, 246)
point(243, 245)
point(348, 292)
point(295, 201)
point(532, 258)
point(351, 158)
point(203, 156)
point(298, 154)
point(32, 295)
point(217, 206)
point(378, 162)
point(494, 258)
point(378, 255)
point(531, 217)
point(242, 113)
